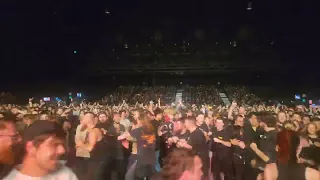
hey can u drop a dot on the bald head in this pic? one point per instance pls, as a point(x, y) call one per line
point(88, 118)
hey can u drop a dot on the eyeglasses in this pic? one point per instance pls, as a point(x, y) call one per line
point(14, 137)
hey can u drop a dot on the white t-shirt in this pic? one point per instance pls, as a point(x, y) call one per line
point(63, 173)
point(126, 123)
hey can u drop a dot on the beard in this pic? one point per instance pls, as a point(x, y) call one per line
point(7, 156)
point(12, 155)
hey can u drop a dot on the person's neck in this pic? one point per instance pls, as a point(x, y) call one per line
point(30, 168)
point(267, 129)
point(219, 129)
point(255, 125)
point(198, 124)
point(90, 126)
point(313, 135)
point(183, 131)
point(192, 129)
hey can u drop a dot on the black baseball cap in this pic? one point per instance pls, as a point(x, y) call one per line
point(43, 127)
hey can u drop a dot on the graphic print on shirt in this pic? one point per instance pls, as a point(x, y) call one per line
point(150, 139)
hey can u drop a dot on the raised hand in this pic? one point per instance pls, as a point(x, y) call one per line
point(234, 104)
point(42, 102)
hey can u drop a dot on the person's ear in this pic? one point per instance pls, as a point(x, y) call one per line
point(30, 148)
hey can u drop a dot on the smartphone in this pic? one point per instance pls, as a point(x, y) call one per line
point(46, 99)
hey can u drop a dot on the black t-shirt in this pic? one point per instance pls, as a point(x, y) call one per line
point(115, 147)
point(313, 140)
point(268, 143)
point(184, 135)
point(145, 146)
point(167, 129)
point(251, 136)
point(217, 148)
point(204, 128)
point(197, 140)
point(236, 149)
point(105, 126)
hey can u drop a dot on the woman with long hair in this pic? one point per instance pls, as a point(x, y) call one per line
point(146, 156)
point(286, 166)
point(133, 157)
point(310, 132)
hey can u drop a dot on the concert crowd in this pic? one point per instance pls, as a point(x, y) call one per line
point(138, 133)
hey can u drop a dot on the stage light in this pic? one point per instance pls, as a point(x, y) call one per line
point(234, 43)
point(249, 6)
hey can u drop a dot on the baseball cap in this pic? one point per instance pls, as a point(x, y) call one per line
point(42, 127)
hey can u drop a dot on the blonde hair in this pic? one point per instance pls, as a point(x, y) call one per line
point(289, 125)
point(169, 111)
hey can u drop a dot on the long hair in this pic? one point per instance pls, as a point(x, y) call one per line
point(176, 163)
point(287, 142)
point(305, 132)
point(237, 131)
point(132, 120)
point(146, 123)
